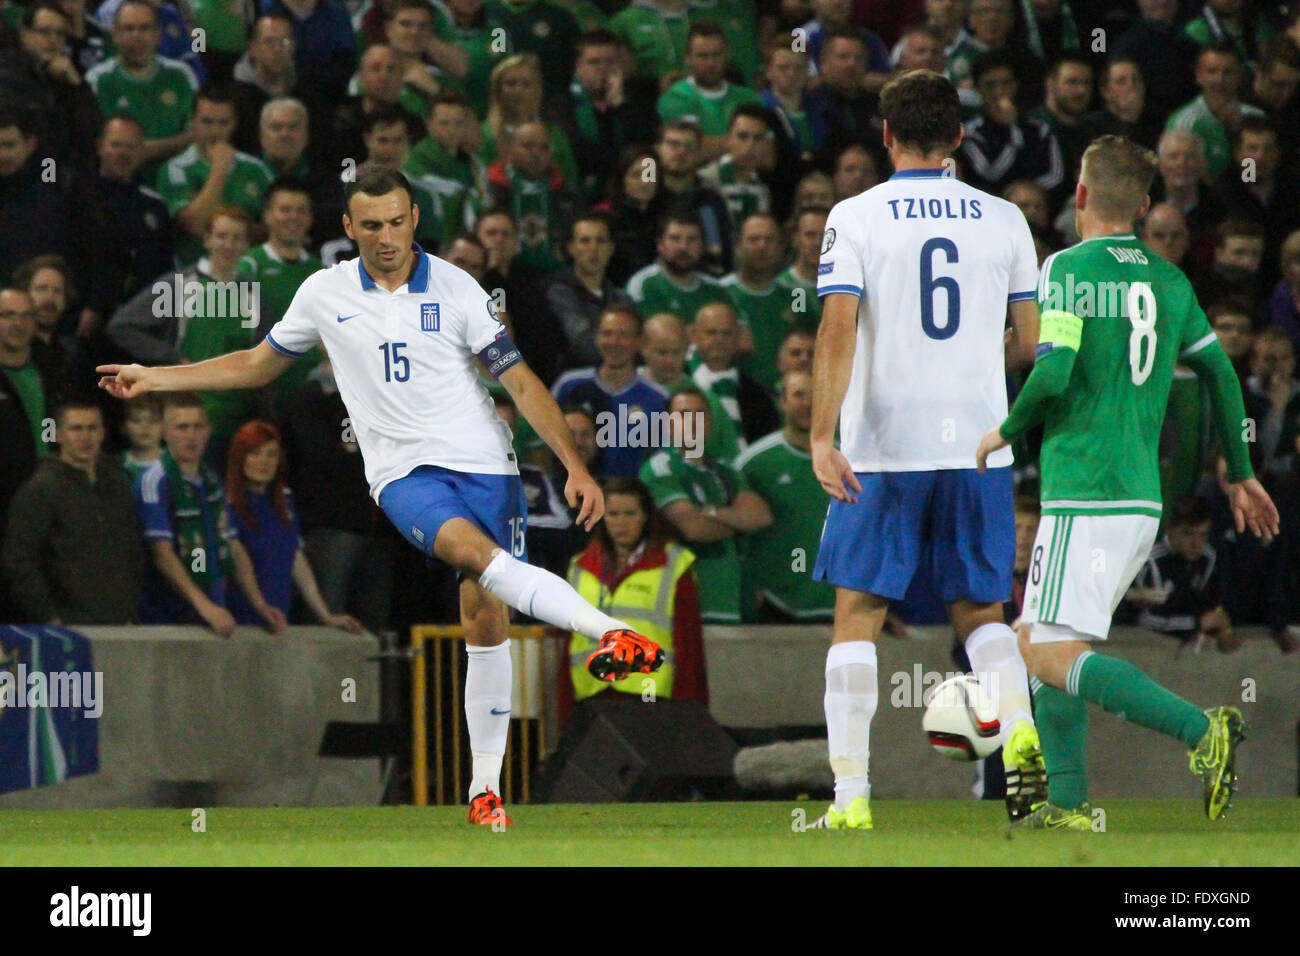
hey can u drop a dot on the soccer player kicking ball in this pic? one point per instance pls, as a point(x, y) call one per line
point(1116, 318)
point(917, 276)
point(402, 329)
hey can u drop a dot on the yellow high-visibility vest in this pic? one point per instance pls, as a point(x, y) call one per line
point(644, 600)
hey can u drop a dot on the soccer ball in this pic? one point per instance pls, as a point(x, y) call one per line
point(960, 722)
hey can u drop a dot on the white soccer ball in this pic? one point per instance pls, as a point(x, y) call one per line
point(960, 721)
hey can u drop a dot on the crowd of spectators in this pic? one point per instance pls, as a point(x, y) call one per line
point(643, 188)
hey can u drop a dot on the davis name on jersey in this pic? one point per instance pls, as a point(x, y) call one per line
point(935, 263)
point(404, 362)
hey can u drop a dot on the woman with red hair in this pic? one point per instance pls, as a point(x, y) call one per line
point(261, 509)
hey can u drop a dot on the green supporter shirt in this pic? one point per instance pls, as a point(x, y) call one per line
point(711, 109)
point(779, 559)
point(770, 318)
point(738, 24)
point(589, 16)
point(544, 28)
point(670, 476)
point(803, 309)
point(181, 179)
point(1116, 320)
point(653, 292)
point(27, 383)
point(1195, 117)
point(1199, 30)
point(277, 282)
point(453, 180)
point(485, 50)
point(224, 320)
point(160, 102)
point(744, 197)
point(224, 22)
point(657, 41)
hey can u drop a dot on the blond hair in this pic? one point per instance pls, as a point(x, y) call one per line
point(497, 121)
point(1118, 174)
point(1290, 251)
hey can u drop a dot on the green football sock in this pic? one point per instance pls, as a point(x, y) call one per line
point(1120, 688)
point(1062, 723)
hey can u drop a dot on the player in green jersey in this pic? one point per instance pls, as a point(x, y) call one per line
point(1116, 319)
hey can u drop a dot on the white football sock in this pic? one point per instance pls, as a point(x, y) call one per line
point(997, 665)
point(487, 713)
point(543, 595)
point(850, 705)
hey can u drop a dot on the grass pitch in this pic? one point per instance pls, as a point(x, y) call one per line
point(1260, 832)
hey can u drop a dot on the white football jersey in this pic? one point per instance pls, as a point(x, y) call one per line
point(935, 263)
point(404, 362)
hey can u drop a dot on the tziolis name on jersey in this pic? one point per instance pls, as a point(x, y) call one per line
point(635, 428)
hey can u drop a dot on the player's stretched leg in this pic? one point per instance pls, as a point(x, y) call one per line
point(996, 662)
point(488, 680)
point(444, 513)
point(1082, 566)
point(850, 701)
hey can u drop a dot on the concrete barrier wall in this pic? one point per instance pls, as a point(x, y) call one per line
point(774, 676)
point(191, 719)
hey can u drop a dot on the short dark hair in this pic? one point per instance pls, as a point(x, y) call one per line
point(76, 402)
point(285, 184)
point(991, 60)
point(1235, 227)
point(704, 28)
point(1189, 512)
point(1232, 305)
point(26, 272)
point(1070, 58)
point(1027, 505)
point(214, 93)
point(447, 97)
point(1281, 49)
point(423, 6)
point(182, 400)
point(1223, 47)
point(376, 181)
point(750, 111)
point(597, 37)
point(1252, 123)
point(679, 215)
point(385, 116)
point(595, 216)
point(269, 15)
point(830, 36)
point(922, 110)
point(20, 117)
point(688, 390)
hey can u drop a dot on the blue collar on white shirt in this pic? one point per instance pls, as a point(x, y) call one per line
point(419, 279)
point(920, 174)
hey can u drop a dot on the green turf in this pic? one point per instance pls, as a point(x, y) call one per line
point(944, 833)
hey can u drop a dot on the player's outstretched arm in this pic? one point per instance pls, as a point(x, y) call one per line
point(1025, 329)
point(539, 409)
point(249, 368)
point(837, 337)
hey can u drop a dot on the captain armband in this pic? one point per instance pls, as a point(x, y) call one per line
point(1058, 329)
point(500, 354)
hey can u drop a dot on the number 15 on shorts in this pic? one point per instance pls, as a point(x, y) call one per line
point(517, 537)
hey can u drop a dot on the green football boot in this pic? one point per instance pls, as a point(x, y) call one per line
point(1214, 758)
point(1047, 816)
point(856, 817)
point(1022, 761)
